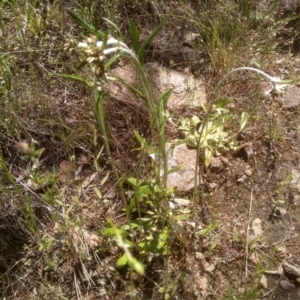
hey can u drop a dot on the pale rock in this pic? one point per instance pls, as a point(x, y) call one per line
point(295, 182)
point(286, 285)
point(202, 283)
point(291, 97)
point(209, 268)
point(264, 282)
point(199, 256)
point(187, 91)
point(216, 162)
point(257, 227)
point(282, 249)
point(184, 178)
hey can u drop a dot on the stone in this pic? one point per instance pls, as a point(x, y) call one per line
point(183, 179)
point(295, 182)
point(291, 97)
point(66, 169)
point(286, 285)
point(209, 268)
point(187, 91)
point(291, 271)
point(264, 281)
point(216, 162)
point(202, 283)
point(256, 227)
point(189, 37)
point(199, 256)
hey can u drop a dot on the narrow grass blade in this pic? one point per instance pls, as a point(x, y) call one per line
point(160, 108)
point(76, 78)
point(115, 27)
point(6, 171)
point(135, 36)
point(85, 25)
point(163, 98)
point(111, 61)
point(149, 38)
point(82, 64)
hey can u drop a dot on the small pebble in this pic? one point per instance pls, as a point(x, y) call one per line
point(286, 285)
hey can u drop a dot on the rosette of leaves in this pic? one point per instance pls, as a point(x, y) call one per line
point(213, 138)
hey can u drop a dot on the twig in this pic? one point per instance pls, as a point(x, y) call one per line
point(248, 229)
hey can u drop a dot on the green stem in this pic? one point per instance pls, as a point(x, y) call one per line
point(101, 122)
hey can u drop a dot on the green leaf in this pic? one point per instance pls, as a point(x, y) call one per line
point(115, 27)
point(195, 121)
point(177, 228)
point(122, 261)
point(112, 231)
point(104, 179)
point(111, 61)
point(69, 209)
point(163, 98)
point(98, 193)
point(192, 141)
point(131, 206)
point(85, 25)
point(136, 265)
point(76, 78)
point(149, 38)
point(183, 217)
point(135, 36)
point(140, 139)
point(244, 120)
point(132, 181)
point(143, 190)
point(39, 152)
point(207, 156)
point(175, 169)
point(59, 202)
point(159, 242)
point(81, 64)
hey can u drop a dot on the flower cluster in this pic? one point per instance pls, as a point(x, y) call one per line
point(97, 51)
point(278, 86)
point(95, 54)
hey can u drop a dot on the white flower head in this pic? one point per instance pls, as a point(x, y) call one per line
point(278, 86)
